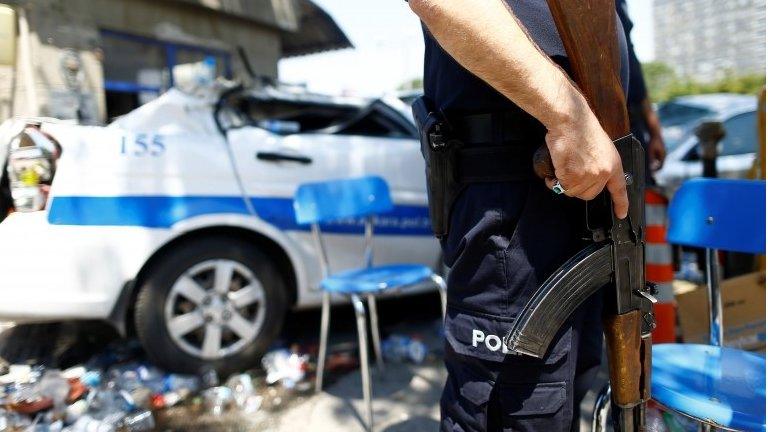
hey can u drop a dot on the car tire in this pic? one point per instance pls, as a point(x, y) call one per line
point(184, 286)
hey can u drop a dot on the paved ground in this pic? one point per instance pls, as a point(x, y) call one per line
point(405, 399)
point(405, 395)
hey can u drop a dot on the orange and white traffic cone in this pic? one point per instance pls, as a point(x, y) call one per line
point(658, 266)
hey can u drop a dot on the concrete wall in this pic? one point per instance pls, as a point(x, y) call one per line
point(58, 69)
point(63, 48)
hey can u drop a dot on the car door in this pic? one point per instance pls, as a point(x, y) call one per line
point(390, 149)
point(271, 166)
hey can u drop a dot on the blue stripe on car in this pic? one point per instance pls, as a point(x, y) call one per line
point(165, 211)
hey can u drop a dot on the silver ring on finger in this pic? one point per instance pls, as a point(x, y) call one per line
point(558, 188)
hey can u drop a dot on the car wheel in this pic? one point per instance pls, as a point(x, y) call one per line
point(212, 303)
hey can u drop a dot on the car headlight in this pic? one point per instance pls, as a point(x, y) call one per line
point(31, 167)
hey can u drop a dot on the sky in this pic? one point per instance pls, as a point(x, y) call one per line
point(388, 48)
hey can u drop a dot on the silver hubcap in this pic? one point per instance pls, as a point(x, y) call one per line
point(215, 309)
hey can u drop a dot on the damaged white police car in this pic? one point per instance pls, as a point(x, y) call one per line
point(185, 205)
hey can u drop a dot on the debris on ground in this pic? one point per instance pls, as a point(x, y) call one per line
point(401, 348)
point(658, 420)
point(111, 387)
point(118, 391)
point(286, 367)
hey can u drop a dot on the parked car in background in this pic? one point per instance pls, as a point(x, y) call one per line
point(680, 117)
point(177, 219)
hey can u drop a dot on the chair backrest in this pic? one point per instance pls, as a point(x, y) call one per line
point(338, 199)
point(719, 214)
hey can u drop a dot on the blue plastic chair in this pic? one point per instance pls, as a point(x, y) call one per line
point(720, 387)
point(316, 203)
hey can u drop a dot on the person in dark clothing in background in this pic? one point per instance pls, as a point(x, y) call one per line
point(644, 123)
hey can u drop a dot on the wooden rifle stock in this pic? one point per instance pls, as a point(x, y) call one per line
point(588, 29)
point(589, 34)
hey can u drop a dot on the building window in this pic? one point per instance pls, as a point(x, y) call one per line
point(138, 69)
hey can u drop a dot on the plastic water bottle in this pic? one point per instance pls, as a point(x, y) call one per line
point(176, 382)
point(242, 388)
point(139, 422)
point(417, 351)
point(53, 385)
point(90, 424)
point(400, 348)
point(74, 411)
point(209, 377)
point(91, 379)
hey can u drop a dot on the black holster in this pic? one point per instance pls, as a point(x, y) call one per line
point(441, 154)
point(478, 148)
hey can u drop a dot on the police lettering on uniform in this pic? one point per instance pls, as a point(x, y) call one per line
point(495, 89)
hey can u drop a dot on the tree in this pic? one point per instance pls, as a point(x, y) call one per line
point(664, 84)
point(658, 78)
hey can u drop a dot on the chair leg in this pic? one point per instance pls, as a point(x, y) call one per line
point(325, 321)
point(375, 331)
point(600, 411)
point(362, 334)
point(443, 289)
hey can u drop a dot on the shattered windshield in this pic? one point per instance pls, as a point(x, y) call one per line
point(289, 116)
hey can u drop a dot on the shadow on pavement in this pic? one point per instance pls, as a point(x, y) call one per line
point(414, 424)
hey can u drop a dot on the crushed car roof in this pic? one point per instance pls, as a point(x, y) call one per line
point(176, 112)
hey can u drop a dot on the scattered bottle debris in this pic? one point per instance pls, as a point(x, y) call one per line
point(400, 348)
point(124, 396)
point(285, 366)
point(118, 391)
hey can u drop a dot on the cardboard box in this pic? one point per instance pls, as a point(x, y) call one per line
point(743, 312)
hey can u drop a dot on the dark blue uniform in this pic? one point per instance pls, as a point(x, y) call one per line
point(504, 240)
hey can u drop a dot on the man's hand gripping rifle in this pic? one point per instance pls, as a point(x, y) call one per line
point(614, 259)
point(616, 256)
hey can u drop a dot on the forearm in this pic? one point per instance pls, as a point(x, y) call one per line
point(486, 39)
point(651, 119)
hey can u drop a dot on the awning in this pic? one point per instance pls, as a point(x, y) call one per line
point(317, 32)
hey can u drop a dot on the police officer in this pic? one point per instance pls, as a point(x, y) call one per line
point(496, 73)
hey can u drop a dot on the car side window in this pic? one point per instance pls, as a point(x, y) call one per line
point(740, 135)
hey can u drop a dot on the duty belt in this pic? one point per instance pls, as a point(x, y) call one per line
point(480, 148)
point(493, 147)
point(497, 128)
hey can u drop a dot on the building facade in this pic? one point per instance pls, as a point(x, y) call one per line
point(93, 60)
point(706, 39)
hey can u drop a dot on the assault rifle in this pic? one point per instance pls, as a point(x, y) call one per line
point(615, 258)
